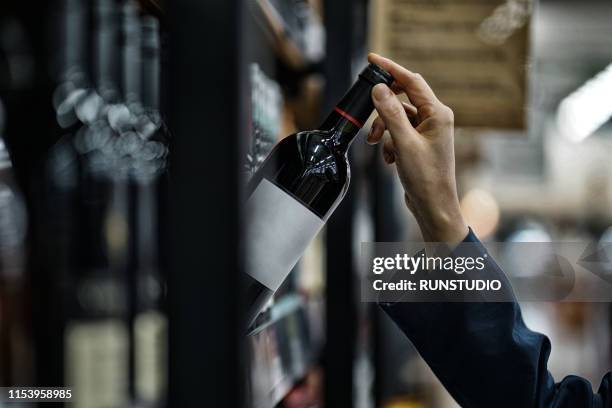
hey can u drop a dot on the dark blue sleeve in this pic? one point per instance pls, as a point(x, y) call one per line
point(485, 356)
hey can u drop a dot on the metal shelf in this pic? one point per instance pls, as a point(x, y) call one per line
point(280, 352)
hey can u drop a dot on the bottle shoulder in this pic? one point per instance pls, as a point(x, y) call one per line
point(316, 147)
point(305, 165)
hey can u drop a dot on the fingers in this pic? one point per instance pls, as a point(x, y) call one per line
point(411, 111)
point(392, 112)
point(376, 131)
point(397, 88)
point(378, 127)
point(415, 87)
point(435, 118)
point(389, 151)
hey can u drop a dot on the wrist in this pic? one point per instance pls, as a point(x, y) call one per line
point(443, 224)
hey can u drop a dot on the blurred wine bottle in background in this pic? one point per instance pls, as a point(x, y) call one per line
point(15, 337)
point(96, 333)
point(102, 176)
point(150, 320)
point(15, 329)
point(266, 107)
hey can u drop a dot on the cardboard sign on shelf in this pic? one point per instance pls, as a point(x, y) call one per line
point(473, 53)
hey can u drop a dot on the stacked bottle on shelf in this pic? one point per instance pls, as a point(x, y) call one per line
point(104, 175)
point(15, 344)
point(266, 109)
point(300, 24)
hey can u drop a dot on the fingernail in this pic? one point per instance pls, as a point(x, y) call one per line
point(369, 136)
point(381, 92)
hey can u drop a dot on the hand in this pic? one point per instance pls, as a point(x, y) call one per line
point(421, 146)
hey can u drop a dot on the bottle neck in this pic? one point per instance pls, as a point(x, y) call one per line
point(349, 116)
point(151, 63)
point(74, 15)
point(132, 58)
point(106, 40)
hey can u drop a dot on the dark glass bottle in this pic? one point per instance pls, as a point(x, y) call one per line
point(96, 332)
point(297, 189)
point(16, 355)
point(150, 323)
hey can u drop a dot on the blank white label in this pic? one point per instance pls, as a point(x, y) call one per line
point(279, 228)
point(97, 361)
point(150, 338)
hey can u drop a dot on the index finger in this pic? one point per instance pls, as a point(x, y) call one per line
point(414, 85)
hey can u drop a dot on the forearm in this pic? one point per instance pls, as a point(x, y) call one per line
point(484, 354)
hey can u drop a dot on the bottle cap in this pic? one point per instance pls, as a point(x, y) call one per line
point(376, 75)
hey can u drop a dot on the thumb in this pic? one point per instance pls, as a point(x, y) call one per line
point(392, 112)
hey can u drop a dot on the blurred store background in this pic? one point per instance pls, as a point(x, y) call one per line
point(128, 129)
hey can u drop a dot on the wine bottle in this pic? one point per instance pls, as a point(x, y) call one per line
point(16, 353)
point(150, 324)
point(297, 188)
point(96, 332)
